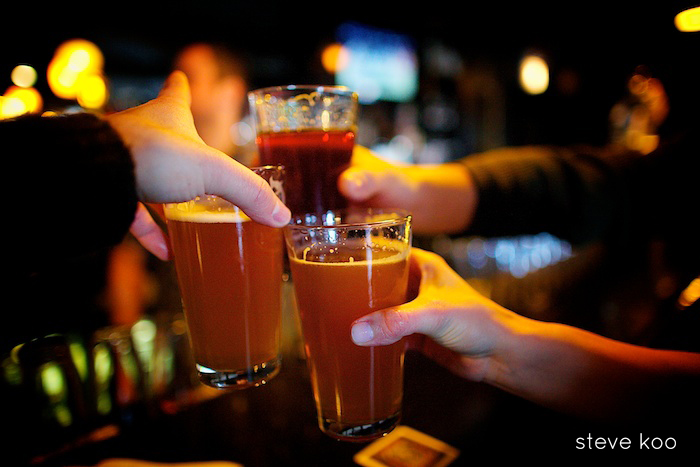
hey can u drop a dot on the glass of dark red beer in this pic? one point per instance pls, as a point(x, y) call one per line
point(345, 264)
point(229, 271)
point(310, 130)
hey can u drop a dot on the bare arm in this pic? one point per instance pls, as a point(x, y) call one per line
point(555, 365)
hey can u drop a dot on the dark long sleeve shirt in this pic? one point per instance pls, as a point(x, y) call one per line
point(584, 194)
point(72, 196)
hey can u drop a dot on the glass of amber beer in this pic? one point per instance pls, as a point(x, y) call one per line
point(229, 271)
point(310, 130)
point(345, 264)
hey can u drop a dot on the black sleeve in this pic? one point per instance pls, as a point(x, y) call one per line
point(584, 194)
point(73, 186)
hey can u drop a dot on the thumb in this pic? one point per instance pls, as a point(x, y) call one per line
point(176, 86)
point(387, 326)
point(359, 185)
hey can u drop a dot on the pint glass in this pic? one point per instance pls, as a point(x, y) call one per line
point(344, 265)
point(310, 130)
point(229, 271)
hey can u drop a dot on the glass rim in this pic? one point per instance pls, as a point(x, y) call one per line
point(400, 216)
point(260, 168)
point(335, 88)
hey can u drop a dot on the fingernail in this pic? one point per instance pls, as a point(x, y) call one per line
point(281, 214)
point(362, 332)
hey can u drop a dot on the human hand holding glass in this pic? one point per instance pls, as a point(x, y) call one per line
point(172, 164)
point(229, 270)
point(374, 182)
point(552, 364)
point(345, 264)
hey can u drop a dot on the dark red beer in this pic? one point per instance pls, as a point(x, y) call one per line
point(313, 160)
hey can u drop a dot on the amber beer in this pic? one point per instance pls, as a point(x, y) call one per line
point(229, 270)
point(358, 390)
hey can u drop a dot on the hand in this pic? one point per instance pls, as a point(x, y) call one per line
point(448, 320)
point(371, 181)
point(173, 164)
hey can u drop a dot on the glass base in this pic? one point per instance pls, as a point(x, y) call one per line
point(359, 433)
point(254, 376)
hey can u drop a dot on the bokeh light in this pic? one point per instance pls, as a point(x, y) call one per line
point(75, 72)
point(688, 20)
point(23, 76)
point(334, 58)
point(534, 74)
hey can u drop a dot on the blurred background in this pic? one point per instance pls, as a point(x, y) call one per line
point(437, 80)
point(445, 79)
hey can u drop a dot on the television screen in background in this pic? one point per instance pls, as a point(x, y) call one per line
point(382, 65)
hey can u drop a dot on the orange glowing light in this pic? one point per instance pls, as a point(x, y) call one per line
point(18, 101)
point(80, 55)
point(77, 63)
point(688, 20)
point(334, 57)
point(92, 93)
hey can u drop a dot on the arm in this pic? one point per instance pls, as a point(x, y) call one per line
point(554, 365)
point(441, 197)
point(79, 177)
point(579, 194)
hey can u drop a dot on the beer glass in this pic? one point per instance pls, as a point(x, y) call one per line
point(229, 270)
point(310, 130)
point(345, 264)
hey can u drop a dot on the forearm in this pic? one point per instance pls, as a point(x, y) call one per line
point(444, 198)
point(575, 371)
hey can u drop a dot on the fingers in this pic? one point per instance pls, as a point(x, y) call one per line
point(247, 190)
point(366, 177)
point(358, 185)
point(149, 233)
point(433, 312)
point(391, 324)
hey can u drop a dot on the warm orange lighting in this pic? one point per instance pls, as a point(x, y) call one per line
point(334, 58)
point(688, 20)
point(534, 74)
point(19, 101)
point(11, 107)
point(80, 55)
point(75, 64)
point(61, 79)
point(92, 93)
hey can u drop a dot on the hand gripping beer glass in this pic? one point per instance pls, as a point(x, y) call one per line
point(229, 271)
point(310, 130)
point(345, 264)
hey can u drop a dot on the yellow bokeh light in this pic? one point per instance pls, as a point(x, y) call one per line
point(75, 72)
point(534, 74)
point(30, 98)
point(80, 55)
point(92, 93)
point(11, 107)
point(334, 57)
point(688, 20)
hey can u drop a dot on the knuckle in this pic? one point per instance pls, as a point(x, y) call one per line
point(396, 324)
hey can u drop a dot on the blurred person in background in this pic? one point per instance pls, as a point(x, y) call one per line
point(218, 79)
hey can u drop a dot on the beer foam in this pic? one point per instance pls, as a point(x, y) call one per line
point(204, 214)
point(397, 257)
